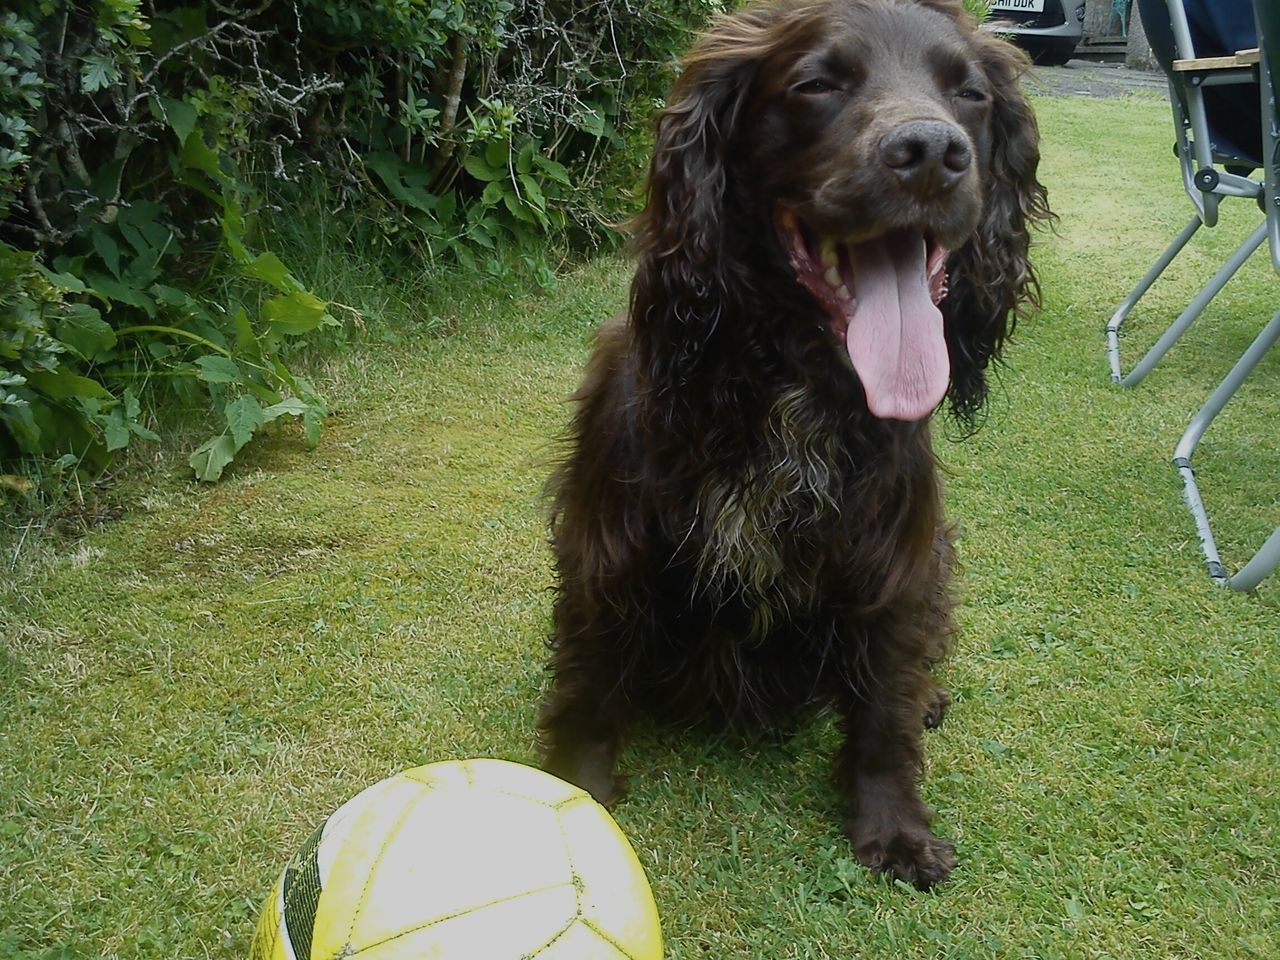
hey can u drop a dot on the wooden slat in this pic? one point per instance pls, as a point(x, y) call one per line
point(1242, 58)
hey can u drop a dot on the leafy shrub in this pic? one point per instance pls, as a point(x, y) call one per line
point(135, 141)
point(124, 184)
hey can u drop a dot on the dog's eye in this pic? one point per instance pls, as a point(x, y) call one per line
point(813, 87)
point(972, 94)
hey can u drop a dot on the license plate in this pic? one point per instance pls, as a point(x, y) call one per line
point(1019, 6)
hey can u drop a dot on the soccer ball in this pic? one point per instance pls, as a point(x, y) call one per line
point(465, 860)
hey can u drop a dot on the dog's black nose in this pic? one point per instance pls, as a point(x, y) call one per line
point(927, 156)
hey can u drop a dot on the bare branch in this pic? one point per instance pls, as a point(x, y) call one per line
point(452, 99)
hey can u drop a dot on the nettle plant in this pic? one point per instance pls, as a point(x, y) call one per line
point(136, 143)
point(124, 193)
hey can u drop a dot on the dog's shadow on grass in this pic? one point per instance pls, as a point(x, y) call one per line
point(692, 776)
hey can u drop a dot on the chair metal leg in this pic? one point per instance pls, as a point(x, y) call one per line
point(1263, 562)
point(1139, 291)
point(1193, 310)
point(1266, 559)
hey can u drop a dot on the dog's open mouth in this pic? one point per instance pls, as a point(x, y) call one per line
point(882, 297)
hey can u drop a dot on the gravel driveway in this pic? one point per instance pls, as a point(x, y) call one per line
point(1092, 79)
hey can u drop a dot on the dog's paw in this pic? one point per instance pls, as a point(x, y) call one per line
point(907, 852)
point(590, 769)
point(936, 708)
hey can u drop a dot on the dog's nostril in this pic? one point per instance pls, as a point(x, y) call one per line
point(927, 156)
point(958, 156)
point(905, 147)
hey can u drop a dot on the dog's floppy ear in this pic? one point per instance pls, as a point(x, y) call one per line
point(682, 225)
point(687, 176)
point(992, 281)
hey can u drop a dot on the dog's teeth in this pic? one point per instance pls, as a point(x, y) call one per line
point(844, 293)
point(829, 256)
point(832, 276)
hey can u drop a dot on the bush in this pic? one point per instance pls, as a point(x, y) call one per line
point(136, 142)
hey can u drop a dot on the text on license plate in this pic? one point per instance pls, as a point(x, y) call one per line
point(1028, 6)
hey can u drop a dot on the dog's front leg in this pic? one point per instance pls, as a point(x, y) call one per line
point(876, 771)
point(583, 717)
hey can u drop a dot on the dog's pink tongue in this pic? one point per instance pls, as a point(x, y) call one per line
point(895, 337)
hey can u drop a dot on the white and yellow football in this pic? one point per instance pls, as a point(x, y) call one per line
point(464, 860)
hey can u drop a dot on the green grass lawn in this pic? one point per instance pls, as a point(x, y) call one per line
point(187, 691)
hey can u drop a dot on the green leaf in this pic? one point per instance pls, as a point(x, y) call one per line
point(480, 170)
point(98, 72)
point(244, 417)
point(140, 226)
point(84, 331)
point(63, 282)
point(299, 312)
point(446, 207)
point(181, 117)
point(138, 430)
point(121, 292)
point(246, 339)
point(290, 407)
point(591, 122)
point(533, 192)
point(406, 183)
point(479, 233)
point(105, 181)
point(132, 406)
point(108, 250)
point(116, 428)
point(211, 457)
point(171, 296)
point(556, 171)
point(215, 368)
point(22, 423)
point(496, 154)
point(311, 421)
point(62, 384)
point(524, 159)
point(196, 155)
point(269, 268)
point(239, 252)
point(493, 193)
point(518, 210)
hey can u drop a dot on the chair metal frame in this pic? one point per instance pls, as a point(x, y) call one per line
point(1267, 558)
point(1206, 181)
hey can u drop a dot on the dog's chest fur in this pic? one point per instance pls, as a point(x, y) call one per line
point(752, 526)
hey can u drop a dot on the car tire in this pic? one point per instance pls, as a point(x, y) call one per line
point(1050, 53)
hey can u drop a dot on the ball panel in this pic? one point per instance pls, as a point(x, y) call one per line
point(364, 815)
point(512, 930)
point(269, 941)
point(350, 849)
point(453, 851)
point(498, 776)
point(300, 888)
point(615, 895)
point(580, 942)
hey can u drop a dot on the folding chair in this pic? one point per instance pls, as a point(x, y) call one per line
point(1215, 158)
point(1267, 558)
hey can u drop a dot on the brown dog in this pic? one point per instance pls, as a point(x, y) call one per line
point(748, 522)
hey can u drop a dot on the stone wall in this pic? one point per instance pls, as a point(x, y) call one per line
point(1099, 21)
point(1138, 52)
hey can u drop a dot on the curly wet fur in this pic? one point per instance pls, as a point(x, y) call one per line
point(737, 538)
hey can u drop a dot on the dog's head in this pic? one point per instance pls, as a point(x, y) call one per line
point(881, 151)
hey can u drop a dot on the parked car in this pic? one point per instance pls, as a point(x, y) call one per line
point(1049, 30)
